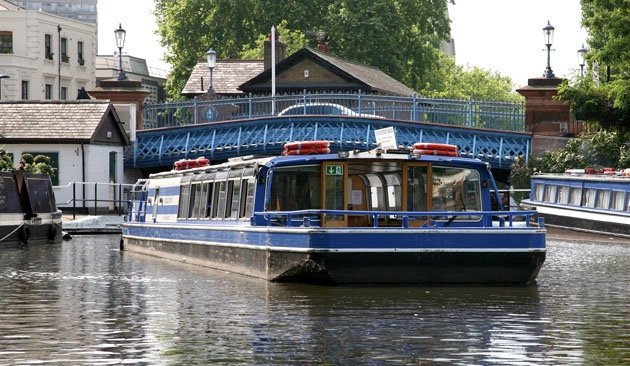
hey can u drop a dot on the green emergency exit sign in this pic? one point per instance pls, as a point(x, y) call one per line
point(334, 170)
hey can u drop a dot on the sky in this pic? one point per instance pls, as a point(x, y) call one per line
point(498, 35)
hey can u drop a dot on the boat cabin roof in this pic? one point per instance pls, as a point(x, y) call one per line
point(581, 177)
point(279, 161)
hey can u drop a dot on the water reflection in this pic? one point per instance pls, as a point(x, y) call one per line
point(83, 302)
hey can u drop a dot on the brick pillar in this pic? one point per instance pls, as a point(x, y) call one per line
point(548, 120)
point(123, 91)
point(280, 50)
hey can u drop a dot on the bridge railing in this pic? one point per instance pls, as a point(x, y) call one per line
point(508, 116)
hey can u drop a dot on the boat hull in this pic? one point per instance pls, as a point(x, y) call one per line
point(42, 230)
point(359, 256)
point(608, 223)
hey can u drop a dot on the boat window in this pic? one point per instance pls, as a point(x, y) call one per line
point(220, 195)
point(603, 199)
point(417, 188)
point(617, 200)
point(563, 195)
point(296, 188)
point(208, 180)
point(575, 196)
point(247, 197)
point(184, 197)
point(198, 191)
point(236, 198)
point(394, 194)
point(377, 192)
point(588, 200)
point(550, 193)
point(456, 189)
point(234, 194)
point(539, 190)
point(628, 204)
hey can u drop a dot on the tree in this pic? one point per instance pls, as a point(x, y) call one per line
point(401, 37)
point(449, 80)
point(603, 95)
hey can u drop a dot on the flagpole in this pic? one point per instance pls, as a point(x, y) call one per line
point(273, 69)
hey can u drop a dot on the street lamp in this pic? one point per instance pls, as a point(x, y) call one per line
point(2, 76)
point(548, 33)
point(211, 57)
point(120, 34)
point(582, 58)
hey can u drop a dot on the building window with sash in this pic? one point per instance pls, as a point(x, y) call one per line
point(24, 89)
point(48, 47)
point(64, 50)
point(80, 59)
point(48, 91)
point(64, 93)
point(6, 42)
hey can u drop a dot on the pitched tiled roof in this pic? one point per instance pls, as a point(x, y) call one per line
point(51, 120)
point(226, 76)
point(369, 75)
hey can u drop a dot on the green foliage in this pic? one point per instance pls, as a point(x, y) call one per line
point(450, 80)
point(520, 177)
point(293, 39)
point(6, 161)
point(40, 164)
point(603, 94)
point(401, 37)
point(601, 149)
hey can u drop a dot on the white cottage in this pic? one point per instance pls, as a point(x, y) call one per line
point(84, 138)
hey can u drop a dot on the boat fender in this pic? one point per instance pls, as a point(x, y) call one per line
point(25, 234)
point(52, 232)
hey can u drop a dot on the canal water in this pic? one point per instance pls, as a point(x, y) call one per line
point(84, 302)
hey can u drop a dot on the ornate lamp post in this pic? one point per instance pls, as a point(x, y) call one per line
point(548, 33)
point(211, 57)
point(582, 59)
point(120, 43)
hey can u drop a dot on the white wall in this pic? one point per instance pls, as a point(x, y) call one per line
point(28, 61)
point(71, 160)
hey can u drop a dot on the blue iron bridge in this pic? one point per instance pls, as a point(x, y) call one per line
point(225, 128)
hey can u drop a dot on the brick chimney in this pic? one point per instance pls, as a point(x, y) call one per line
point(280, 50)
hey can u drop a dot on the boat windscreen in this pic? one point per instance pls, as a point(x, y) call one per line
point(9, 196)
point(40, 194)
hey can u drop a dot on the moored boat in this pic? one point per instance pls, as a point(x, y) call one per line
point(583, 199)
point(28, 212)
point(350, 217)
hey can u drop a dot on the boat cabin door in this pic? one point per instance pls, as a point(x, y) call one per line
point(334, 192)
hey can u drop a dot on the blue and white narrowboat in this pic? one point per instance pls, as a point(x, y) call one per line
point(414, 216)
point(28, 212)
point(583, 199)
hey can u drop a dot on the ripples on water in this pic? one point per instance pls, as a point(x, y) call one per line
point(82, 302)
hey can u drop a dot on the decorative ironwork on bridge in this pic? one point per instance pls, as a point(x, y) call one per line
point(220, 129)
